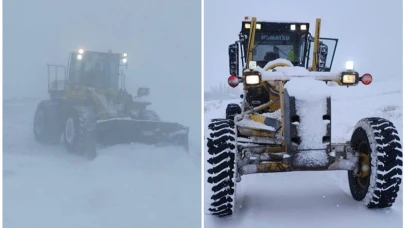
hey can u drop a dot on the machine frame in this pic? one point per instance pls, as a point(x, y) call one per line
point(255, 141)
point(89, 105)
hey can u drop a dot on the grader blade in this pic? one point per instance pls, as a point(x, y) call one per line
point(122, 131)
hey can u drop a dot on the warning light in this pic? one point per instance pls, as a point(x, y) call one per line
point(366, 79)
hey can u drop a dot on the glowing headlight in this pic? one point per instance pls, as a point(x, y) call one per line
point(124, 60)
point(292, 27)
point(252, 79)
point(124, 55)
point(303, 27)
point(79, 57)
point(252, 64)
point(81, 51)
point(258, 26)
point(349, 65)
point(349, 79)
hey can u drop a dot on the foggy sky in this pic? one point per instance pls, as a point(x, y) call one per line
point(369, 32)
point(162, 39)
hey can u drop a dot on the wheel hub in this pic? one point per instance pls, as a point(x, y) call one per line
point(363, 167)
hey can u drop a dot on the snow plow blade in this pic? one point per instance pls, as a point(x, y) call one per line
point(122, 131)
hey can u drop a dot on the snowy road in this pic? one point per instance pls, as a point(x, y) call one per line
point(124, 187)
point(316, 199)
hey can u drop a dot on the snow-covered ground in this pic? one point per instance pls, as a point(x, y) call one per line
point(316, 199)
point(126, 186)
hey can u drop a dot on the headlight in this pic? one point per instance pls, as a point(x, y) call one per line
point(79, 57)
point(252, 64)
point(252, 79)
point(349, 65)
point(292, 27)
point(258, 26)
point(124, 60)
point(349, 78)
point(81, 51)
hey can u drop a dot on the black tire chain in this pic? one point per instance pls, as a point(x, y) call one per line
point(222, 150)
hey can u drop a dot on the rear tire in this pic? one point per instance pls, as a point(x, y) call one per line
point(379, 139)
point(221, 167)
point(47, 123)
point(80, 132)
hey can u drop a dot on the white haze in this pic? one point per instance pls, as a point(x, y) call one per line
point(126, 185)
point(163, 48)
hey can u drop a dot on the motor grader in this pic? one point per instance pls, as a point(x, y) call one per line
point(285, 119)
point(90, 107)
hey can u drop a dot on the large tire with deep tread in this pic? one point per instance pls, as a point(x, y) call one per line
point(380, 139)
point(80, 132)
point(221, 167)
point(48, 122)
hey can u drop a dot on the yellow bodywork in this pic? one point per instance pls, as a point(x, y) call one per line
point(255, 131)
point(251, 40)
point(316, 44)
point(275, 90)
point(82, 93)
point(93, 95)
point(272, 167)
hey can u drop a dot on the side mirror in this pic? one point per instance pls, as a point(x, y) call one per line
point(142, 91)
point(233, 52)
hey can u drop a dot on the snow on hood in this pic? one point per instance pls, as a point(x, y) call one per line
point(278, 61)
point(307, 88)
point(303, 87)
point(286, 72)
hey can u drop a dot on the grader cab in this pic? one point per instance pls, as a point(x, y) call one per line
point(281, 40)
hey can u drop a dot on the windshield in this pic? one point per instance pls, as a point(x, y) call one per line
point(95, 69)
point(268, 47)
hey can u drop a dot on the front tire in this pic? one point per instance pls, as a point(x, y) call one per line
point(378, 143)
point(221, 170)
point(80, 133)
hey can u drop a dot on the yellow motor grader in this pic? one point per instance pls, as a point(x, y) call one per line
point(284, 121)
point(90, 106)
